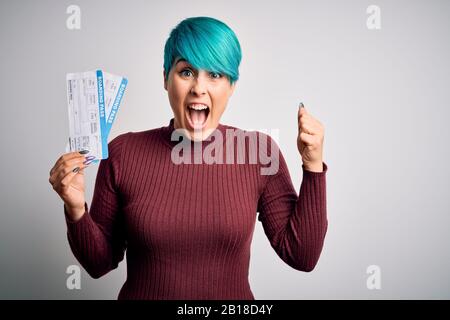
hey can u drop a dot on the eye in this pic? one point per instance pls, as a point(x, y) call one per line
point(184, 71)
point(215, 75)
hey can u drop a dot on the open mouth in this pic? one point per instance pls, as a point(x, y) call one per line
point(197, 115)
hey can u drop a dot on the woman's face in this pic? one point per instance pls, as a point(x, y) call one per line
point(197, 97)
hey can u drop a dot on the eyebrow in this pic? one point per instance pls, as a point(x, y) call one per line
point(181, 59)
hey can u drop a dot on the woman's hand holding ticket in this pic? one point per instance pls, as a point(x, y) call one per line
point(67, 179)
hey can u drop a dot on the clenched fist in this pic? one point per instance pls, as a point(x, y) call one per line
point(310, 140)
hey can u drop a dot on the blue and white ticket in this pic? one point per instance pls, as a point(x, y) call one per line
point(114, 89)
point(93, 99)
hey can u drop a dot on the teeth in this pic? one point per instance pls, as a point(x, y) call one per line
point(198, 106)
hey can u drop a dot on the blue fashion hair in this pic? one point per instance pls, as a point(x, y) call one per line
point(206, 43)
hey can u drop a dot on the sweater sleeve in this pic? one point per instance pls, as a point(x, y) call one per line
point(97, 239)
point(295, 224)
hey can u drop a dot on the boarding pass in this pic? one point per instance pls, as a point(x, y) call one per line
point(93, 99)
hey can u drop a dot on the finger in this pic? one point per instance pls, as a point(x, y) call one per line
point(74, 163)
point(63, 184)
point(312, 125)
point(302, 115)
point(87, 159)
point(306, 118)
point(57, 169)
point(301, 111)
point(308, 127)
point(307, 139)
point(68, 156)
point(301, 106)
point(64, 157)
point(65, 167)
point(59, 174)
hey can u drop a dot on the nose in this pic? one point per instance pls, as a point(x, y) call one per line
point(199, 86)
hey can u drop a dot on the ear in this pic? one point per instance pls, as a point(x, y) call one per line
point(165, 81)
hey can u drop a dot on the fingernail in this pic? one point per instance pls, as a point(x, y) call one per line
point(88, 161)
point(301, 105)
point(84, 151)
point(76, 169)
point(89, 157)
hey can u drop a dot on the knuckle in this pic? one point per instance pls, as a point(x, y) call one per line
point(65, 170)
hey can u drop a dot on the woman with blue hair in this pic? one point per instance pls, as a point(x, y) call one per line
point(202, 54)
point(187, 228)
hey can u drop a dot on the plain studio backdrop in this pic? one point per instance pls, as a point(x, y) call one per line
point(382, 95)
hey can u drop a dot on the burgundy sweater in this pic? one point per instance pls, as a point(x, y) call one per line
point(187, 228)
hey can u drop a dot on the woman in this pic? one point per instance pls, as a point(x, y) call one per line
point(187, 228)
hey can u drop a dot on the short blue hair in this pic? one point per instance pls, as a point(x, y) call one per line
point(206, 43)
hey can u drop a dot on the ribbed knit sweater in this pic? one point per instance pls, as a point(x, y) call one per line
point(187, 228)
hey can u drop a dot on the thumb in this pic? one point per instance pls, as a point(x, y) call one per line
point(301, 108)
point(301, 111)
